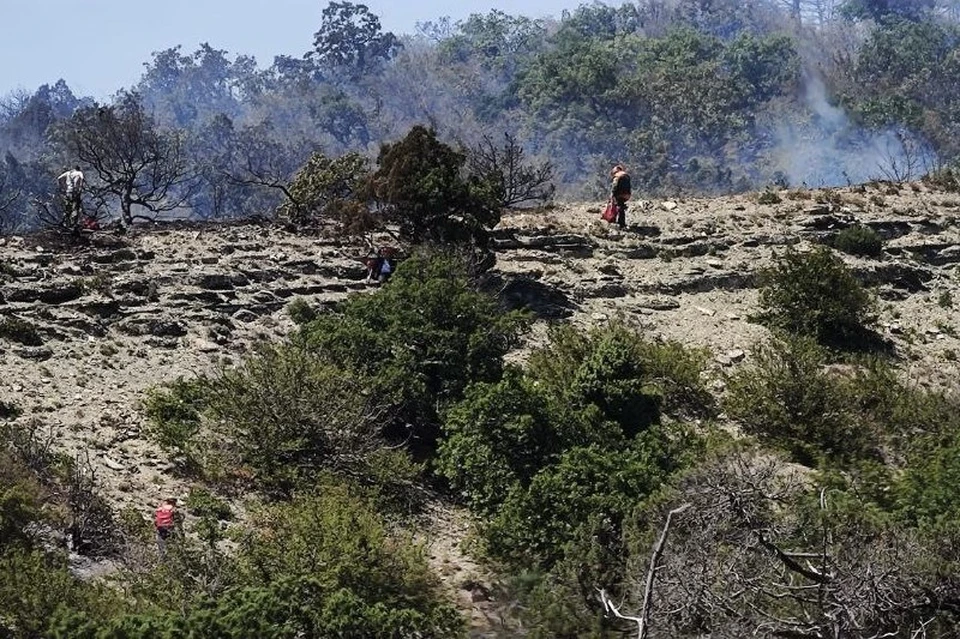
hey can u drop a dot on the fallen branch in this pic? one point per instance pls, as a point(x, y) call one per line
point(643, 620)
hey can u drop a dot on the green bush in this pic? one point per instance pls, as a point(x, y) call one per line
point(173, 415)
point(327, 190)
point(600, 388)
point(203, 503)
point(321, 565)
point(35, 585)
point(589, 488)
point(20, 331)
point(419, 341)
point(301, 312)
point(631, 380)
point(419, 180)
point(21, 501)
point(499, 436)
point(789, 399)
point(859, 240)
point(815, 294)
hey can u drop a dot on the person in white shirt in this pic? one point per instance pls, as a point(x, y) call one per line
point(71, 184)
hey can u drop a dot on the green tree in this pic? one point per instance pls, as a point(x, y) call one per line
point(422, 188)
point(350, 38)
point(326, 189)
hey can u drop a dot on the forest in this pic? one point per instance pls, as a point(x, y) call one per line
point(694, 96)
point(608, 491)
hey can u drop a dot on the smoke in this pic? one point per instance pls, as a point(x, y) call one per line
point(825, 148)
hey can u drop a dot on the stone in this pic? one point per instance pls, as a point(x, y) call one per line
point(112, 463)
point(669, 205)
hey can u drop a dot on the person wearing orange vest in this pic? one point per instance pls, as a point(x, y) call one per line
point(164, 520)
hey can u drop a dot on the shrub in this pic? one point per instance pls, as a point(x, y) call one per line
point(35, 585)
point(20, 331)
point(173, 414)
point(788, 398)
point(301, 312)
point(420, 184)
point(328, 190)
point(769, 197)
point(203, 503)
point(9, 410)
point(499, 436)
point(631, 380)
point(859, 240)
point(589, 488)
point(419, 340)
point(815, 294)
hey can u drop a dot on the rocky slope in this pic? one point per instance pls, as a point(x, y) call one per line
point(117, 316)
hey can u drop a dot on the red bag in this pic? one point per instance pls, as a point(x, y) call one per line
point(610, 213)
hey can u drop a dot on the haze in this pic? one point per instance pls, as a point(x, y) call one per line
point(100, 46)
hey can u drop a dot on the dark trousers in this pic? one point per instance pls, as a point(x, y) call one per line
point(621, 212)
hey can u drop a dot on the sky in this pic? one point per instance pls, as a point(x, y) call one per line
point(100, 46)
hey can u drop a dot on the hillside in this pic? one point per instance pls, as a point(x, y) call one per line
point(119, 315)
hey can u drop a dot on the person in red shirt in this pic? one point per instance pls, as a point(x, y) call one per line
point(164, 520)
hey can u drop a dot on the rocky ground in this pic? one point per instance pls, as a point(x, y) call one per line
point(119, 315)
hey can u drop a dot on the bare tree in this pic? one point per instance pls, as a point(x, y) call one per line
point(762, 552)
point(503, 168)
point(134, 161)
point(8, 196)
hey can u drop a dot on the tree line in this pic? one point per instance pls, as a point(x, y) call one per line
point(693, 97)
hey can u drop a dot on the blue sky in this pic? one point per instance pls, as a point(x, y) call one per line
point(100, 46)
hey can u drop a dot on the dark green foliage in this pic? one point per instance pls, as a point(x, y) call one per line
point(20, 331)
point(350, 40)
point(420, 339)
point(561, 452)
point(276, 419)
point(793, 398)
point(320, 566)
point(926, 492)
point(21, 501)
point(588, 489)
point(9, 410)
point(629, 378)
point(35, 585)
point(886, 10)
point(421, 184)
point(788, 398)
point(500, 435)
point(301, 312)
point(859, 240)
point(174, 415)
point(203, 503)
point(816, 295)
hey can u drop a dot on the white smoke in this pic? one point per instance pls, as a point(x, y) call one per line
point(827, 149)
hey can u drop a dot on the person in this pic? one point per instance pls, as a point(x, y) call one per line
point(379, 265)
point(386, 266)
point(620, 192)
point(71, 183)
point(372, 262)
point(165, 520)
